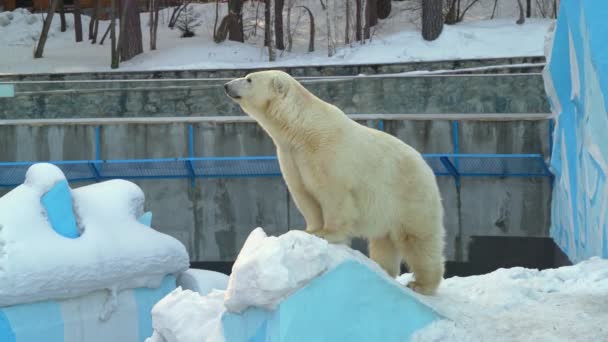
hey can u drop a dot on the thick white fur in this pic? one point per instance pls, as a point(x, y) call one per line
point(349, 180)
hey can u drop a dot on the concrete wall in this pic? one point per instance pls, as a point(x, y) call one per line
point(577, 84)
point(214, 217)
point(489, 65)
point(521, 93)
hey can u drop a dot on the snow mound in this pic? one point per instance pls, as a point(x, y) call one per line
point(114, 251)
point(519, 304)
point(269, 269)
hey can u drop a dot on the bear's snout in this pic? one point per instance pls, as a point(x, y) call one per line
point(230, 90)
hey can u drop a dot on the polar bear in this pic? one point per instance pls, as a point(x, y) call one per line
point(349, 180)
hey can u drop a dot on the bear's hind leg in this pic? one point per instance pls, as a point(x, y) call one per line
point(424, 257)
point(384, 253)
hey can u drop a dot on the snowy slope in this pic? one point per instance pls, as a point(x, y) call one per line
point(566, 304)
point(114, 252)
point(396, 39)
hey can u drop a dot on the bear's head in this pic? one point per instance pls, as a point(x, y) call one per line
point(258, 90)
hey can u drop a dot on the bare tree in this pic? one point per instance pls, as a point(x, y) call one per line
point(371, 17)
point(45, 29)
point(114, 59)
point(494, 9)
point(64, 25)
point(154, 9)
point(217, 15)
point(130, 40)
point(77, 21)
point(522, 18)
point(347, 28)
point(268, 30)
point(278, 23)
point(311, 39)
point(331, 47)
point(231, 25)
point(384, 9)
point(358, 20)
point(96, 25)
point(432, 19)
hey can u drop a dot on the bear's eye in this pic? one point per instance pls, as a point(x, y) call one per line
point(249, 80)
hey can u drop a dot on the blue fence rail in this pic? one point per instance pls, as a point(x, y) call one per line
point(453, 165)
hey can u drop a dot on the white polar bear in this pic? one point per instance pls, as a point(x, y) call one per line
point(349, 180)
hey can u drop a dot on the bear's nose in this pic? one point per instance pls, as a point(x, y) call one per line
point(226, 86)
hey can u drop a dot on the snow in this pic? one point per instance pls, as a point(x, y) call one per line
point(186, 316)
point(516, 304)
point(268, 268)
point(202, 281)
point(114, 252)
point(396, 39)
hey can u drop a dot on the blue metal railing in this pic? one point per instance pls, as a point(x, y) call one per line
point(453, 165)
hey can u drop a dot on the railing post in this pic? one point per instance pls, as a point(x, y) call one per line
point(191, 155)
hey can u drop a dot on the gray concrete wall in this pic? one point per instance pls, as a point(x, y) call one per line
point(526, 64)
point(214, 217)
point(521, 93)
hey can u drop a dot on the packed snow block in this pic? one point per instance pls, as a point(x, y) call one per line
point(348, 303)
point(58, 204)
point(576, 81)
point(87, 318)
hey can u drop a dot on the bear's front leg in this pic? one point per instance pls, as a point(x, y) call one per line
point(331, 236)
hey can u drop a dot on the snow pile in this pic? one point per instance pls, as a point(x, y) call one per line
point(565, 304)
point(517, 304)
point(22, 28)
point(114, 251)
point(267, 270)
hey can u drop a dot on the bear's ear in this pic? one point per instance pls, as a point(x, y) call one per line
point(279, 85)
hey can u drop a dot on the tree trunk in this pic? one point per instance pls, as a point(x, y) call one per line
point(130, 35)
point(217, 15)
point(96, 25)
point(311, 39)
point(289, 37)
point(452, 16)
point(267, 22)
point(522, 18)
point(384, 9)
point(154, 9)
point(331, 49)
point(432, 19)
point(371, 17)
point(268, 30)
point(278, 23)
point(77, 21)
point(45, 29)
point(358, 24)
point(114, 62)
point(528, 8)
point(347, 28)
point(494, 9)
point(92, 21)
point(235, 29)
point(62, 16)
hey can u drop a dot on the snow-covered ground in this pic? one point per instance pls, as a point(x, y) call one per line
point(565, 304)
point(395, 39)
